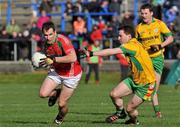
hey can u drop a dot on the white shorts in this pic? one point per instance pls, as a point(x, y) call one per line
point(70, 82)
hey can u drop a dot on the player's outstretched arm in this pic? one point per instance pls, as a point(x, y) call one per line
point(107, 52)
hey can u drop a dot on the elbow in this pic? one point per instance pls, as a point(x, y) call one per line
point(74, 60)
point(72, 57)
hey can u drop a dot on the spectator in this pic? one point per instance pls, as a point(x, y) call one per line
point(96, 34)
point(93, 6)
point(104, 8)
point(176, 25)
point(114, 6)
point(167, 5)
point(78, 7)
point(79, 26)
point(34, 29)
point(13, 27)
point(128, 19)
point(170, 15)
point(124, 66)
point(69, 8)
point(24, 45)
point(36, 36)
point(16, 39)
point(42, 19)
point(93, 62)
point(113, 27)
point(102, 25)
point(46, 5)
point(4, 46)
point(34, 10)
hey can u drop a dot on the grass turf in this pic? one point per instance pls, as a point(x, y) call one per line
point(20, 105)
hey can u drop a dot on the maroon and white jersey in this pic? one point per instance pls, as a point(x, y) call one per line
point(62, 46)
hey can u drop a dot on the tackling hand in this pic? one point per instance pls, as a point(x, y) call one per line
point(83, 53)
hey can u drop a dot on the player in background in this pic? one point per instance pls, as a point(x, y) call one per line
point(154, 36)
point(141, 82)
point(65, 70)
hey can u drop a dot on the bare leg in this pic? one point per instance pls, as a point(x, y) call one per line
point(155, 101)
point(116, 95)
point(132, 106)
point(64, 96)
point(131, 109)
point(47, 88)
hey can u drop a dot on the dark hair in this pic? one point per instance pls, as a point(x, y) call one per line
point(147, 6)
point(128, 30)
point(47, 25)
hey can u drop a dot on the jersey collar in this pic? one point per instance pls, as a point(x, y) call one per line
point(55, 38)
point(153, 20)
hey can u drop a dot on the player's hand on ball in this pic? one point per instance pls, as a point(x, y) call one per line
point(47, 61)
point(43, 63)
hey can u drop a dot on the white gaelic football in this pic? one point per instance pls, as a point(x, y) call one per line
point(36, 58)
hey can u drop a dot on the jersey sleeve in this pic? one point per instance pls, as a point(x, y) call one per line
point(66, 44)
point(164, 29)
point(128, 49)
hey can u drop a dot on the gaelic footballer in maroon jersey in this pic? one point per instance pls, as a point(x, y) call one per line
point(61, 47)
point(65, 71)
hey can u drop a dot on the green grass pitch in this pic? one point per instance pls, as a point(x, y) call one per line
point(20, 105)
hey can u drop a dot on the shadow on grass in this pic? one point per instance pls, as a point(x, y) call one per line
point(100, 121)
point(27, 122)
point(103, 122)
point(89, 113)
point(93, 122)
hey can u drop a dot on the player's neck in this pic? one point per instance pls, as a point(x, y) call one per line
point(54, 40)
point(150, 21)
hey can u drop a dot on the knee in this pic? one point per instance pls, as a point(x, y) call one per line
point(113, 94)
point(43, 94)
point(129, 109)
point(62, 104)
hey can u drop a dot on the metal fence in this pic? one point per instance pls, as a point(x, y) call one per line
point(12, 48)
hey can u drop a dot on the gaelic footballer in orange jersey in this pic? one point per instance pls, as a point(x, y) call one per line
point(140, 84)
point(154, 35)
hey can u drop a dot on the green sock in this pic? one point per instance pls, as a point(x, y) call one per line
point(156, 108)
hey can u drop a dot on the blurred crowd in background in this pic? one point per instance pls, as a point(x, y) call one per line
point(104, 27)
